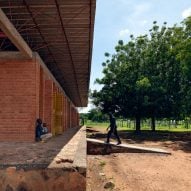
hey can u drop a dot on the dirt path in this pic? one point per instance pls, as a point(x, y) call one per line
point(141, 171)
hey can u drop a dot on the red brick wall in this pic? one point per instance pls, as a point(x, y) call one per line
point(64, 114)
point(19, 100)
point(41, 94)
point(26, 93)
point(48, 103)
point(68, 115)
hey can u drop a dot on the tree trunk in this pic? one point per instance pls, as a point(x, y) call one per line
point(186, 124)
point(138, 124)
point(153, 123)
point(169, 124)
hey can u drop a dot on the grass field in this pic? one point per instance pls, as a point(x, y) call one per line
point(130, 125)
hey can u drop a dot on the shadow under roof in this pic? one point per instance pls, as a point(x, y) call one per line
point(61, 31)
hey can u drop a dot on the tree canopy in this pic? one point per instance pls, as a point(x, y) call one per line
point(94, 114)
point(150, 76)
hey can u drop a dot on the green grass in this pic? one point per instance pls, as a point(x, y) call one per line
point(130, 127)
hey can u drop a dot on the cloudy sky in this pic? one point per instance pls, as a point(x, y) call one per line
point(117, 19)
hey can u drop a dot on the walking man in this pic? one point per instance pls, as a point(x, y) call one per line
point(112, 129)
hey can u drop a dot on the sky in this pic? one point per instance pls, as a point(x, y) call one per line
point(117, 19)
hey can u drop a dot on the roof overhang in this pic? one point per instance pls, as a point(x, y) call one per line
point(62, 33)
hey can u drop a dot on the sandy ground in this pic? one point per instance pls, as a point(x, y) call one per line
point(143, 171)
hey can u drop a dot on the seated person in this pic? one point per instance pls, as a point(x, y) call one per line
point(39, 129)
point(44, 128)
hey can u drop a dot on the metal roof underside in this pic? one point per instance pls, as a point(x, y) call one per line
point(61, 31)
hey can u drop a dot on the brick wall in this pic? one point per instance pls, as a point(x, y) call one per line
point(48, 103)
point(19, 100)
point(41, 93)
point(27, 92)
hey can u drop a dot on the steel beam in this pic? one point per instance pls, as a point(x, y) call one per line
point(11, 32)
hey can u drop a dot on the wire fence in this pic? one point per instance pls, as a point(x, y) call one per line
point(130, 124)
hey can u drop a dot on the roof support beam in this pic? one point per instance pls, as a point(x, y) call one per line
point(12, 33)
point(69, 49)
point(12, 56)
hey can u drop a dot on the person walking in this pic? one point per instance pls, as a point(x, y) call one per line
point(112, 129)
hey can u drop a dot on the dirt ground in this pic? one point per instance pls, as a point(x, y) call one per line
point(142, 171)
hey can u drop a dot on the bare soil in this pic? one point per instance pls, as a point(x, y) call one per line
point(142, 171)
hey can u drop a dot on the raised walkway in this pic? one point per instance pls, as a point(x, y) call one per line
point(56, 164)
point(95, 146)
point(73, 155)
point(66, 151)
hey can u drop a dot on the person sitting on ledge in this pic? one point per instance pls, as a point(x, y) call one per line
point(44, 128)
point(39, 129)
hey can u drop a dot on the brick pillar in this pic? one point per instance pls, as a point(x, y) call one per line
point(19, 99)
point(68, 114)
point(61, 113)
point(41, 94)
point(48, 104)
point(66, 125)
point(64, 112)
point(53, 125)
point(77, 118)
point(72, 114)
point(67, 120)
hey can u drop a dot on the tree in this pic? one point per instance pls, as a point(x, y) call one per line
point(147, 77)
point(164, 73)
point(96, 115)
point(183, 52)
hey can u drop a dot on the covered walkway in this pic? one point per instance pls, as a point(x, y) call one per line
point(66, 151)
point(45, 62)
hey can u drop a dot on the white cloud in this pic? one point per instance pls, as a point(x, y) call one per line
point(123, 32)
point(186, 13)
point(141, 8)
point(138, 18)
point(125, 2)
point(86, 109)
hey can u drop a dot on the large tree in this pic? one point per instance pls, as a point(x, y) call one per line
point(183, 51)
point(146, 77)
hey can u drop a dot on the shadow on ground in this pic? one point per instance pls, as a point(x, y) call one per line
point(33, 155)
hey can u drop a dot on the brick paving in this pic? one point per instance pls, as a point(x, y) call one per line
point(73, 154)
point(40, 154)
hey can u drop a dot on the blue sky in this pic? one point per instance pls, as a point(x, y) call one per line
point(117, 19)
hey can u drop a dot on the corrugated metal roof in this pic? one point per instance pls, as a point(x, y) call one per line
point(61, 31)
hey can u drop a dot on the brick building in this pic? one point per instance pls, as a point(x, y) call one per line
point(45, 61)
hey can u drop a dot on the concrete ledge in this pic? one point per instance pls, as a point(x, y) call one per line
point(95, 146)
point(46, 136)
point(33, 169)
point(58, 164)
point(80, 156)
point(72, 155)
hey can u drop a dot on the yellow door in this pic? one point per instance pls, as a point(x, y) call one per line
point(57, 113)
